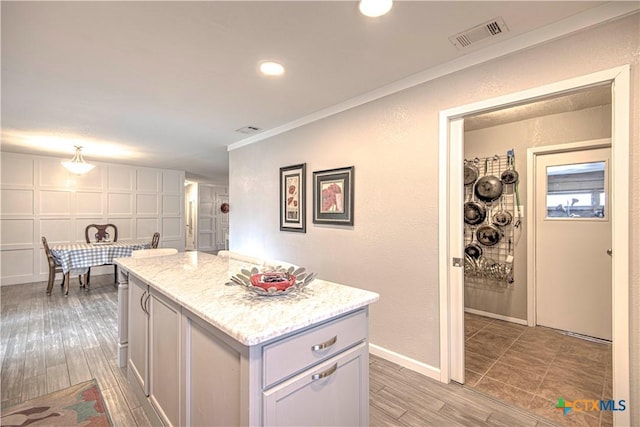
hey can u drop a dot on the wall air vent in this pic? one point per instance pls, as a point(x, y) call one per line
point(248, 130)
point(473, 35)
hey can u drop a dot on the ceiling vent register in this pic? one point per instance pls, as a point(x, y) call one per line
point(248, 130)
point(492, 28)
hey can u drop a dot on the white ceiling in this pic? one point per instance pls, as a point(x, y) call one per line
point(165, 84)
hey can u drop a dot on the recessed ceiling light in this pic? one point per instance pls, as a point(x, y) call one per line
point(271, 68)
point(375, 8)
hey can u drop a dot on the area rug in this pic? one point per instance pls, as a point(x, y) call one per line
point(78, 405)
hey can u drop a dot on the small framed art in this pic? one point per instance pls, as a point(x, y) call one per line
point(333, 196)
point(293, 198)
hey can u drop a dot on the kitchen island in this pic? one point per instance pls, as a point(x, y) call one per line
point(206, 353)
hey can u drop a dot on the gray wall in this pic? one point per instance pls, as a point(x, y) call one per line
point(582, 125)
point(393, 144)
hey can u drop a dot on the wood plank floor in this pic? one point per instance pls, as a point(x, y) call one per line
point(51, 342)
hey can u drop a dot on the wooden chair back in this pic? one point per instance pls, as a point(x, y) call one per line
point(53, 266)
point(47, 251)
point(155, 240)
point(100, 232)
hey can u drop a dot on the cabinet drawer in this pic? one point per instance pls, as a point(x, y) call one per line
point(284, 358)
point(334, 393)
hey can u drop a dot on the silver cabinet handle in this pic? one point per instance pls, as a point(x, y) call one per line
point(146, 303)
point(326, 373)
point(141, 301)
point(325, 344)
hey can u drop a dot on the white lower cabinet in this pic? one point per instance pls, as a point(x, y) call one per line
point(165, 358)
point(138, 332)
point(330, 394)
point(196, 375)
point(215, 391)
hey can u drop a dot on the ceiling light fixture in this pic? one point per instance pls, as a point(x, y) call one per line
point(77, 165)
point(271, 68)
point(375, 8)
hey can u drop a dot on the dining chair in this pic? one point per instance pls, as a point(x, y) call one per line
point(101, 233)
point(155, 240)
point(54, 266)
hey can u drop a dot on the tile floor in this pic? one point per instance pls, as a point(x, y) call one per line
point(533, 367)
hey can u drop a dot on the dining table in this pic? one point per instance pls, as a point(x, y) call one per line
point(79, 257)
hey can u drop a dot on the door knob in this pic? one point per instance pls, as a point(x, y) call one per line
point(609, 251)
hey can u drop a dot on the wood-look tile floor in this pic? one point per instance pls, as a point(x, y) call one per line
point(401, 397)
point(51, 342)
point(534, 367)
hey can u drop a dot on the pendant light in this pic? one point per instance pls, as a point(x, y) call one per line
point(77, 165)
point(375, 8)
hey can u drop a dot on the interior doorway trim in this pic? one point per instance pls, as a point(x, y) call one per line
point(532, 154)
point(450, 200)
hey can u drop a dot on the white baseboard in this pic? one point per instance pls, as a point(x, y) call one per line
point(496, 316)
point(405, 362)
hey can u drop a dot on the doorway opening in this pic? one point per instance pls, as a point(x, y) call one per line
point(191, 215)
point(452, 124)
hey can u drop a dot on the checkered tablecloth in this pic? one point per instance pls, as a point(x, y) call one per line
point(80, 256)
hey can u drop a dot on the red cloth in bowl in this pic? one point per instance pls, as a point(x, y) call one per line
point(270, 280)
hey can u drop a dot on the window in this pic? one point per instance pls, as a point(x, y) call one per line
point(576, 190)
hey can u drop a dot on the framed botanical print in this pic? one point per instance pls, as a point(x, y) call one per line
point(333, 196)
point(293, 198)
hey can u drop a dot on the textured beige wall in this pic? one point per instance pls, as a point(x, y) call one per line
point(393, 144)
point(582, 125)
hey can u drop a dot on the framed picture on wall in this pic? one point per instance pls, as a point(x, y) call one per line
point(293, 198)
point(333, 196)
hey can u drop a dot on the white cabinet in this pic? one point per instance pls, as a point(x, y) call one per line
point(154, 348)
point(334, 393)
point(196, 375)
point(164, 358)
point(288, 356)
point(138, 353)
point(319, 377)
point(214, 377)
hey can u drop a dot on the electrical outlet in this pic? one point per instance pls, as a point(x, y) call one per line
point(521, 208)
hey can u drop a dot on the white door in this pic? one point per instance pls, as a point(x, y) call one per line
point(573, 234)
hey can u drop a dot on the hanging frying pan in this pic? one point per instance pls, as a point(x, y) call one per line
point(473, 250)
point(488, 235)
point(474, 213)
point(470, 172)
point(510, 175)
point(489, 187)
point(502, 217)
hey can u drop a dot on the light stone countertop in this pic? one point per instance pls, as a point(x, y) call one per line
point(196, 281)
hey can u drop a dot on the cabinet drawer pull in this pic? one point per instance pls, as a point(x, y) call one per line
point(325, 344)
point(326, 373)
